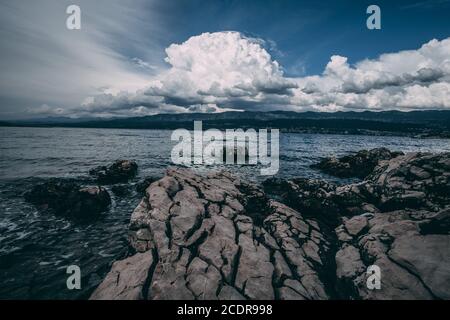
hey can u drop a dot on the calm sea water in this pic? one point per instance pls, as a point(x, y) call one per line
point(36, 247)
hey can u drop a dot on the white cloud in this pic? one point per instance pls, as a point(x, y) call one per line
point(46, 110)
point(209, 108)
point(413, 79)
point(225, 70)
point(225, 62)
point(143, 64)
point(215, 72)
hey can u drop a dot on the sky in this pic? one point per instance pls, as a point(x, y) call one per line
point(136, 57)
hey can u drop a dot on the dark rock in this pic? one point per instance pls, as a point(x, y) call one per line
point(119, 171)
point(142, 185)
point(438, 224)
point(357, 165)
point(311, 197)
point(66, 197)
point(391, 186)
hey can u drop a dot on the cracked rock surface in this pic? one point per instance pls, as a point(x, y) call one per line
point(397, 219)
point(414, 264)
point(217, 237)
point(358, 165)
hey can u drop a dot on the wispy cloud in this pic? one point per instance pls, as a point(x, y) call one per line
point(43, 63)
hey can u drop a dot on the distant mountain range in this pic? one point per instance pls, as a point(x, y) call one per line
point(433, 123)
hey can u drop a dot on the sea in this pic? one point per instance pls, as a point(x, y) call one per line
point(36, 247)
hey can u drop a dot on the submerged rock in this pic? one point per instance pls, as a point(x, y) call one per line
point(119, 171)
point(69, 198)
point(121, 190)
point(357, 165)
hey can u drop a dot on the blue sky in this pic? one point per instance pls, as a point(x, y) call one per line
point(136, 57)
point(309, 32)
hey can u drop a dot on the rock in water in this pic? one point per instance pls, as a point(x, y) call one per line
point(142, 185)
point(207, 241)
point(219, 237)
point(121, 190)
point(413, 181)
point(357, 165)
point(311, 197)
point(416, 180)
point(68, 198)
point(397, 219)
point(395, 185)
point(119, 171)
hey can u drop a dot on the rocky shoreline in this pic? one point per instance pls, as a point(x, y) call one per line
point(217, 236)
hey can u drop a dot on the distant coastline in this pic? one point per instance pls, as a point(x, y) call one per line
point(419, 124)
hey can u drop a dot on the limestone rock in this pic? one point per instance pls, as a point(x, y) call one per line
point(412, 265)
point(126, 280)
point(218, 237)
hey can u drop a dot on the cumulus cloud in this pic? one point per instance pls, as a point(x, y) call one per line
point(428, 64)
point(216, 72)
point(413, 79)
point(224, 69)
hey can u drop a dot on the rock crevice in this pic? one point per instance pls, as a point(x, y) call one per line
point(216, 236)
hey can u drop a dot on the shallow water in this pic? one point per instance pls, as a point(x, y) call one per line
point(36, 247)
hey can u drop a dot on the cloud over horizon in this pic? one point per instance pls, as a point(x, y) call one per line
point(406, 80)
point(229, 70)
point(125, 62)
point(212, 72)
point(143, 57)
